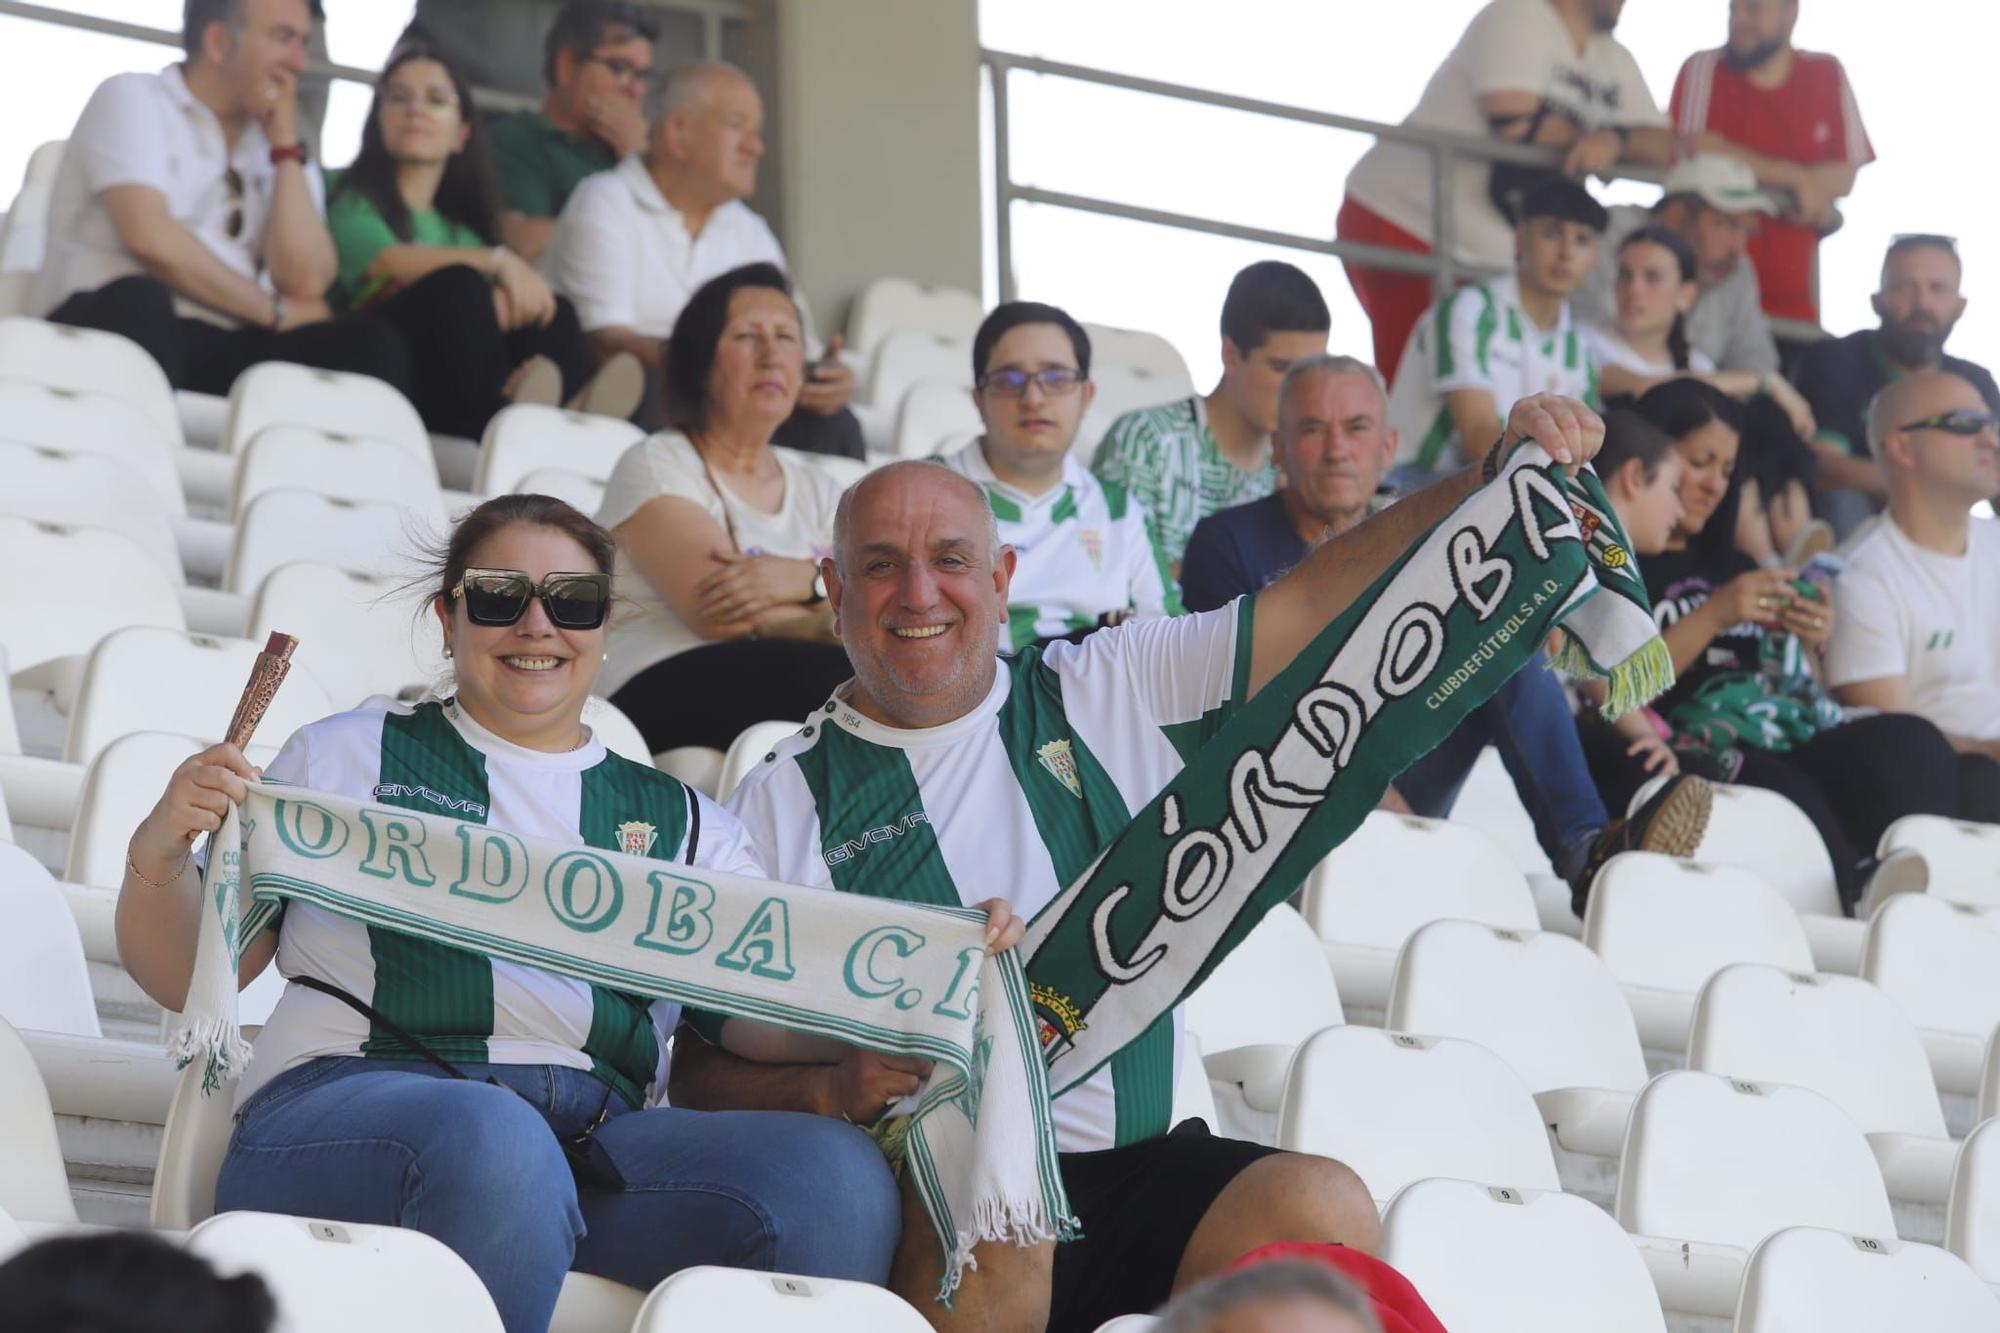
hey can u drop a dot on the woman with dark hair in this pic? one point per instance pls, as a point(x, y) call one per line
point(510, 1112)
point(721, 534)
point(1747, 705)
point(414, 221)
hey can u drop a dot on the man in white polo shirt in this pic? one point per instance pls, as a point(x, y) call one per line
point(1919, 623)
point(187, 218)
point(1086, 555)
point(633, 244)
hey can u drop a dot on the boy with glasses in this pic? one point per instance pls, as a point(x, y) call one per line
point(1086, 555)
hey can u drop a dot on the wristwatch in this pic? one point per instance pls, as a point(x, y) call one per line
point(818, 588)
point(277, 312)
point(291, 152)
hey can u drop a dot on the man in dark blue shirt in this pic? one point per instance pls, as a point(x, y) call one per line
point(1332, 445)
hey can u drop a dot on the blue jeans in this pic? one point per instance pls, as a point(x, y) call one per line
point(478, 1168)
point(1528, 721)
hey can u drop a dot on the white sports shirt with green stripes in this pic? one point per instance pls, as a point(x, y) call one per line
point(463, 1005)
point(1481, 338)
point(1014, 800)
point(1081, 547)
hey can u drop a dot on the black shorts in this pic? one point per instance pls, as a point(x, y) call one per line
point(1139, 1205)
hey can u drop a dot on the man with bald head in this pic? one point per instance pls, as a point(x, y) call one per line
point(944, 773)
point(1919, 626)
point(634, 243)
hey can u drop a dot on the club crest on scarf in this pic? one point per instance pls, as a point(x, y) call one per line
point(1056, 1016)
point(636, 838)
point(1060, 760)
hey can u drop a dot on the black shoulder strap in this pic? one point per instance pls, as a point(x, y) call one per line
point(375, 1016)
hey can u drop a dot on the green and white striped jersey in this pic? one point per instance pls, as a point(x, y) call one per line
point(1014, 800)
point(463, 1005)
point(1481, 338)
point(1082, 550)
point(1167, 460)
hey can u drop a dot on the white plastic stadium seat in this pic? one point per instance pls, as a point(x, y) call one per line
point(144, 679)
point(710, 1297)
point(908, 358)
point(1845, 1040)
point(119, 789)
point(1763, 832)
point(81, 422)
point(24, 235)
point(1128, 1323)
point(33, 1186)
point(69, 587)
point(88, 491)
point(1713, 1165)
point(1811, 1280)
point(527, 436)
point(1541, 1002)
point(699, 766)
point(1488, 1259)
point(584, 494)
point(618, 732)
point(1398, 1108)
point(1940, 961)
point(1972, 1216)
point(748, 750)
point(44, 981)
point(1260, 1004)
point(359, 634)
point(931, 416)
point(352, 467)
point(61, 356)
point(282, 526)
point(1395, 874)
point(334, 1277)
point(1963, 858)
point(1665, 926)
point(1121, 389)
point(278, 393)
point(1138, 349)
point(887, 305)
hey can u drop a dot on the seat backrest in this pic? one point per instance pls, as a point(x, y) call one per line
point(1972, 1215)
point(88, 491)
point(1541, 1001)
point(1399, 872)
point(1989, 1073)
point(1939, 960)
point(79, 421)
point(1122, 389)
point(359, 634)
point(107, 581)
point(1963, 858)
point(526, 437)
point(282, 526)
point(278, 393)
point(352, 467)
point(1729, 1161)
point(710, 1297)
point(1812, 1280)
point(24, 234)
point(192, 1146)
point(931, 413)
point(62, 356)
point(334, 1277)
point(584, 494)
point(119, 789)
point(1398, 1108)
point(888, 305)
point(1275, 988)
point(748, 750)
point(699, 766)
point(1837, 1035)
point(910, 357)
point(144, 679)
point(44, 980)
point(619, 733)
point(1193, 1095)
point(1138, 349)
point(33, 1184)
point(1492, 1257)
point(1766, 834)
point(1665, 924)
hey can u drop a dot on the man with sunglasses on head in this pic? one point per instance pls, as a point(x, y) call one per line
point(1919, 625)
point(1086, 556)
point(187, 215)
point(1919, 305)
point(597, 61)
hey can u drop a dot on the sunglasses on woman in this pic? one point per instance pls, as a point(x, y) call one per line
point(500, 597)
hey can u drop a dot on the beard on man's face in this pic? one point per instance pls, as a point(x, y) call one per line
point(1744, 61)
point(1916, 341)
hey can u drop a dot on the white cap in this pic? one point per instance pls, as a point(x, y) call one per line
point(1721, 182)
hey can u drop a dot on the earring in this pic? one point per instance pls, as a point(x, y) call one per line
point(447, 650)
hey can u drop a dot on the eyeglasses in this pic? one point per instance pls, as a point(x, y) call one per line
point(434, 99)
point(1055, 381)
point(500, 597)
point(624, 71)
point(232, 180)
point(1962, 421)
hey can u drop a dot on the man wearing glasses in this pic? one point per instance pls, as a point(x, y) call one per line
point(1919, 303)
point(187, 217)
point(1919, 626)
point(597, 61)
point(1086, 555)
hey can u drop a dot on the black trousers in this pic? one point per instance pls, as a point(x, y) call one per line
point(706, 695)
point(459, 354)
point(207, 358)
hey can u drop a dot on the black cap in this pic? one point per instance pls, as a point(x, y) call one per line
point(1561, 198)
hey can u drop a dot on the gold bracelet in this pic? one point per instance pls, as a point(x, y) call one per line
point(140, 875)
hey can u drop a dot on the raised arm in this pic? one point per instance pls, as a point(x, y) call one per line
point(298, 249)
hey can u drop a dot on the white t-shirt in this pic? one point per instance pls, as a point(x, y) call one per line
point(1014, 800)
point(622, 254)
point(1511, 46)
point(467, 1007)
point(645, 630)
point(1607, 348)
point(148, 129)
point(1932, 619)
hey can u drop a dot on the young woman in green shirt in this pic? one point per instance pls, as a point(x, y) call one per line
point(415, 221)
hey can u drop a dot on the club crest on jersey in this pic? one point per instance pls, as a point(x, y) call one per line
point(1056, 1016)
point(636, 838)
point(1093, 546)
point(1060, 761)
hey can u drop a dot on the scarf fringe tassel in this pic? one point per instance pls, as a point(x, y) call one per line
point(1640, 678)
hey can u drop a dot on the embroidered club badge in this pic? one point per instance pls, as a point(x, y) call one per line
point(1093, 546)
point(636, 838)
point(1058, 759)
